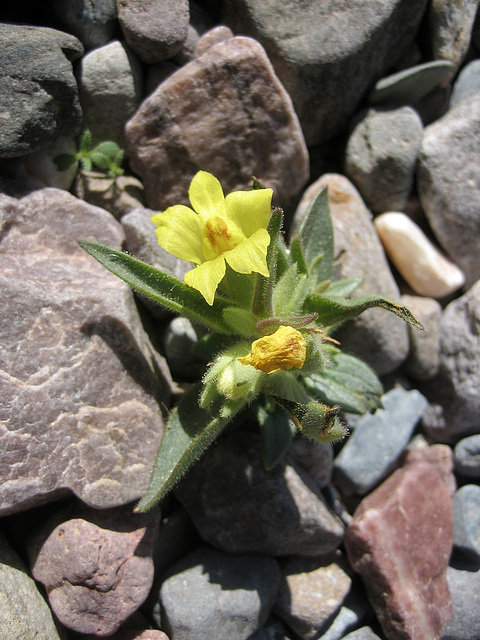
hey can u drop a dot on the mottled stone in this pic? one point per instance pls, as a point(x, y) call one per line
point(423, 359)
point(467, 457)
point(467, 83)
point(211, 595)
point(466, 521)
point(93, 22)
point(381, 155)
point(448, 180)
point(464, 585)
point(400, 542)
point(212, 37)
point(312, 590)
point(96, 565)
point(80, 381)
point(423, 267)
point(225, 112)
point(438, 455)
point(240, 507)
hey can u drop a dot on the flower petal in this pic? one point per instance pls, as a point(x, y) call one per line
point(250, 210)
point(179, 231)
point(206, 195)
point(206, 277)
point(251, 254)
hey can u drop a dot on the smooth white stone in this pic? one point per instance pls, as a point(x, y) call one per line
point(424, 268)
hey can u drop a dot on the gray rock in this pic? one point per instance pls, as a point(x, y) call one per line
point(225, 112)
point(110, 81)
point(315, 457)
point(179, 341)
point(93, 22)
point(240, 507)
point(327, 54)
point(154, 30)
point(118, 195)
point(448, 180)
point(466, 521)
point(212, 37)
point(373, 449)
point(364, 633)
point(467, 83)
point(24, 614)
point(81, 384)
point(467, 457)
point(381, 155)
point(200, 24)
point(354, 609)
point(38, 91)
point(464, 585)
point(211, 595)
point(423, 359)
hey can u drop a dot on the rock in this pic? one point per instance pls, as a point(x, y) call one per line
point(466, 521)
point(438, 455)
point(423, 359)
point(158, 73)
point(111, 88)
point(467, 457)
point(464, 585)
point(225, 112)
point(24, 614)
point(179, 341)
point(364, 633)
point(93, 22)
point(146, 634)
point(240, 507)
point(200, 24)
point(424, 268)
point(96, 565)
point(81, 383)
point(312, 590)
point(327, 55)
point(315, 457)
point(374, 447)
point(213, 37)
point(211, 595)
point(38, 91)
point(400, 542)
point(354, 609)
point(448, 179)
point(454, 393)
point(154, 30)
point(118, 195)
point(381, 155)
point(467, 83)
point(378, 339)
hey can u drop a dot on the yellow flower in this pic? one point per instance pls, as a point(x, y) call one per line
point(216, 231)
point(284, 349)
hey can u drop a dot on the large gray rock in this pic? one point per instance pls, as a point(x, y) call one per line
point(38, 91)
point(80, 383)
point(93, 22)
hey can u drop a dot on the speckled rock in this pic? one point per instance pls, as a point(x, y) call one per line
point(423, 359)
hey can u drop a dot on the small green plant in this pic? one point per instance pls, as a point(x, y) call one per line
point(269, 310)
point(107, 156)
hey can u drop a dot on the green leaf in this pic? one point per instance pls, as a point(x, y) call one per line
point(86, 142)
point(277, 432)
point(348, 382)
point(296, 255)
point(161, 287)
point(189, 431)
point(64, 161)
point(289, 293)
point(241, 321)
point(263, 290)
point(86, 163)
point(108, 149)
point(100, 160)
point(342, 288)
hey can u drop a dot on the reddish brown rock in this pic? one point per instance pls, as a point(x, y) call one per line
point(227, 113)
point(441, 457)
point(400, 542)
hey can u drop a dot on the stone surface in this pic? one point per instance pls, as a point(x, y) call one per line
point(381, 155)
point(80, 382)
point(179, 341)
point(364, 633)
point(154, 30)
point(464, 585)
point(438, 455)
point(315, 457)
point(377, 442)
point(354, 610)
point(423, 359)
point(212, 37)
point(467, 83)
point(225, 112)
point(38, 91)
point(400, 542)
point(240, 507)
point(312, 590)
point(448, 180)
point(24, 614)
point(200, 24)
point(424, 268)
point(119, 196)
point(467, 457)
point(377, 338)
point(111, 88)
point(466, 521)
point(211, 595)
point(327, 55)
point(96, 566)
point(147, 634)
point(93, 22)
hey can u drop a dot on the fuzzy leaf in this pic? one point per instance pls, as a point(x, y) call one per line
point(342, 288)
point(289, 293)
point(263, 291)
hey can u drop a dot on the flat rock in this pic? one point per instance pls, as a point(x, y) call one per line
point(400, 542)
point(227, 113)
point(96, 565)
point(80, 381)
point(423, 359)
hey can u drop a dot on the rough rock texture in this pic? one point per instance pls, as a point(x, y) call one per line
point(38, 91)
point(95, 565)
point(225, 112)
point(80, 384)
point(93, 22)
point(423, 358)
point(400, 542)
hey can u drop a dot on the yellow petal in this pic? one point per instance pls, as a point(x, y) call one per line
point(179, 231)
point(206, 277)
point(249, 210)
point(206, 195)
point(284, 349)
point(251, 254)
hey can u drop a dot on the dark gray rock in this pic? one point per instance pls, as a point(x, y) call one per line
point(353, 611)
point(466, 521)
point(38, 92)
point(467, 457)
point(464, 585)
point(93, 22)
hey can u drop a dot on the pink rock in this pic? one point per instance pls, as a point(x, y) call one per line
point(97, 567)
point(441, 457)
point(227, 113)
point(400, 542)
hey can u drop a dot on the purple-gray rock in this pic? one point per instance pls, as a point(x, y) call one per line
point(93, 22)
point(225, 112)
point(464, 585)
point(467, 457)
point(80, 383)
point(466, 521)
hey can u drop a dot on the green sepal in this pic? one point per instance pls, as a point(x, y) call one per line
point(315, 420)
point(263, 291)
point(277, 431)
point(189, 431)
point(161, 287)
